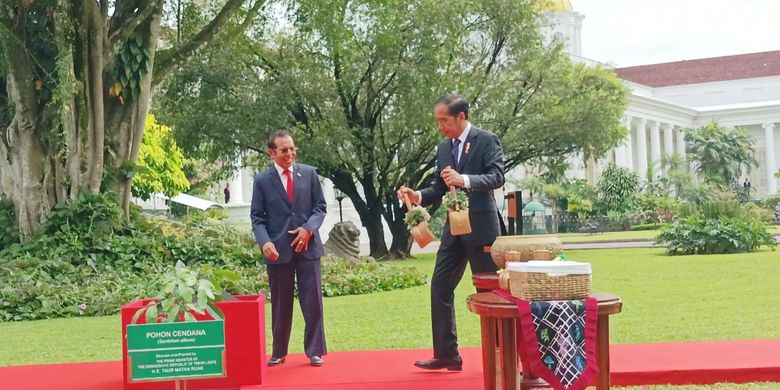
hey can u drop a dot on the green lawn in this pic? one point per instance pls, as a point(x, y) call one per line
point(648, 235)
point(684, 298)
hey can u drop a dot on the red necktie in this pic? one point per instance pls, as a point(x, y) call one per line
point(289, 184)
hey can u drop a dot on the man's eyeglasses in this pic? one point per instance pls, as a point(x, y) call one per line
point(286, 150)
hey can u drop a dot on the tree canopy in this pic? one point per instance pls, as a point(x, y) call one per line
point(76, 79)
point(160, 163)
point(719, 154)
point(355, 81)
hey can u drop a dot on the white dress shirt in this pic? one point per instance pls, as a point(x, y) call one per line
point(463, 136)
point(282, 176)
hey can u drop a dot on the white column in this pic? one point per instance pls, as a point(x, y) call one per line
point(629, 155)
point(668, 141)
point(237, 184)
point(626, 160)
point(655, 148)
point(620, 149)
point(771, 167)
point(641, 152)
point(680, 143)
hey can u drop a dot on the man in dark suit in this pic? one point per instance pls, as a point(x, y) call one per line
point(472, 160)
point(287, 210)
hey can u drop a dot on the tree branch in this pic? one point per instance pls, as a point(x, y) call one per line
point(124, 30)
point(169, 59)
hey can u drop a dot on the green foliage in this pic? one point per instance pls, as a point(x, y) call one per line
point(160, 162)
point(88, 218)
point(617, 189)
point(79, 269)
point(720, 155)
point(655, 209)
point(459, 202)
point(700, 235)
point(772, 201)
point(9, 233)
point(717, 209)
point(617, 221)
point(646, 226)
point(687, 209)
point(701, 193)
point(677, 175)
point(132, 63)
point(438, 219)
point(416, 215)
point(358, 80)
point(183, 293)
point(341, 277)
point(579, 206)
point(757, 213)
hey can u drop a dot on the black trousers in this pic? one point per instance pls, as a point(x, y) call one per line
point(282, 279)
point(450, 265)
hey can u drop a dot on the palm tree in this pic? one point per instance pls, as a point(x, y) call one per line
point(678, 176)
point(720, 154)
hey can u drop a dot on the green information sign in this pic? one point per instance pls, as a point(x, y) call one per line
point(176, 350)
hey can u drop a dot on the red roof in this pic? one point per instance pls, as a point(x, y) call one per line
point(737, 67)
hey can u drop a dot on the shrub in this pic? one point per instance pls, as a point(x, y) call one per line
point(720, 208)
point(698, 235)
point(617, 189)
point(342, 277)
point(66, 273)
point(772, 201)
point(9, 233)
point(756, 212)
point(654, 209)
point(647, 226)
point(89, 216)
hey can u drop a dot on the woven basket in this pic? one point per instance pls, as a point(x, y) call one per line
point(538, 286)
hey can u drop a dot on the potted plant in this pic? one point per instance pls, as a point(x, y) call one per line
point(187, 295)
point(457, 204)
point(416, 220)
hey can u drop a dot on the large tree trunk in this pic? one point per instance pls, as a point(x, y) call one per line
point(401, 246)
point(127, 120)
point(70, 110)
point(40, 150)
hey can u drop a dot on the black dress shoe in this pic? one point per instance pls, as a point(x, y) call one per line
point(316, 361)
point(451, 364)
point(275, 361)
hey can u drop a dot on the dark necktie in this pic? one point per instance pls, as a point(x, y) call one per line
point(455, 150)
point(289, 184)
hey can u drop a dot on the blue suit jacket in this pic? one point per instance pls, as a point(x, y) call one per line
point(273, 215)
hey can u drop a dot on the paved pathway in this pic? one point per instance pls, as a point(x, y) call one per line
point(434, 246)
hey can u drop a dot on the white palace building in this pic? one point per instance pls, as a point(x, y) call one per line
point(736, 91)
point(739, 90)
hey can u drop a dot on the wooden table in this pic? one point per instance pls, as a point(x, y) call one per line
point(498, 321)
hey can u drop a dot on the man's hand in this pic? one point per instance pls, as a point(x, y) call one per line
point(452, 178)
point(412, 194)
point(301, 240)
point(269, 251)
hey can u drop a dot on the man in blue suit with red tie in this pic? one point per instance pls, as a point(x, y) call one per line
point(287, 210)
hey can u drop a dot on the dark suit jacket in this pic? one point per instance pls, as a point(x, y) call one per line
point(273, 215)
point(483, 161)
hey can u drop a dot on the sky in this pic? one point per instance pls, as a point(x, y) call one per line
point(637, 32)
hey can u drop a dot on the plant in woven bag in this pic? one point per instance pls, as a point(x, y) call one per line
point(459, 202)
point(416, 216)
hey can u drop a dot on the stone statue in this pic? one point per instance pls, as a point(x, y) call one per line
point(344, 242)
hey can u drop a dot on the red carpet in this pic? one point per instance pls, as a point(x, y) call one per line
point(632, 364)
